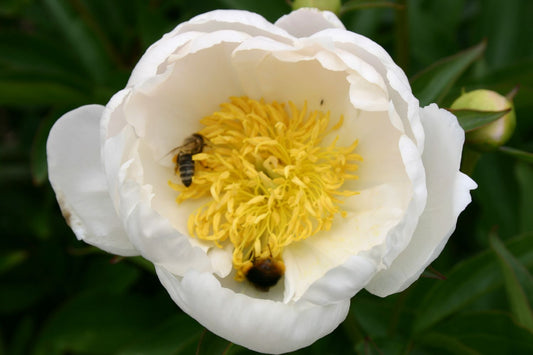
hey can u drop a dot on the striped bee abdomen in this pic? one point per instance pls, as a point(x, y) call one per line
point(186, 167)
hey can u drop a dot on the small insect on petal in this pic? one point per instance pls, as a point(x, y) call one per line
point(192, 145)
point(265, 273)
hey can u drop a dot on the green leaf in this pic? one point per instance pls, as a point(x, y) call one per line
point(81, 37)
point(497, 196)
point(379, 346)
point(517, 154)
point(142, 263)
point(338, 342)
point(377, 317)
point(29, 93)
point(23, 336)
point(12, 258)
point(507, 32)
point(56, 59)
point(437, 343)
point(11, 172)
point(38, 163)
point(111, 278)
point(2, 346)
point(432, 84)
point(472, 119)
point(431, 39)
point(10, 7)
point(271, 10)
point(101, 322)
point(178, 335)
point(517, 280)
point(466, 282)
point(524, 176)
point(354, 5)
point(150, 24)
point(20, 295)
point(479, 333)
point(210, 343)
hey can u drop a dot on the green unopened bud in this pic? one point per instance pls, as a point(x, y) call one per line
point(494, 134)
point(329, 5)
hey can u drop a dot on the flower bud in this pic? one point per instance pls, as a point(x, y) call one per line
point(326, 5)
point(494, 134)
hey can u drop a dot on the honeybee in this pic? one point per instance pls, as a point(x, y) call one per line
point(192, 145)
point(265, 273)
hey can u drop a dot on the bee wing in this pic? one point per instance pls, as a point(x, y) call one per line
point(169, 158)
point(188, 147)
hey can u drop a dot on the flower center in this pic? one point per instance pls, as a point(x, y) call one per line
point(270, 180)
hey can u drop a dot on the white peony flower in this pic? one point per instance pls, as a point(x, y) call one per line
point(317, 164)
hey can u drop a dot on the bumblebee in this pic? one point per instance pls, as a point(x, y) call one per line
point(192, 145)
point(265, 273)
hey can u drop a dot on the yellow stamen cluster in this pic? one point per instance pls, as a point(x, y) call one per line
point(270, 180)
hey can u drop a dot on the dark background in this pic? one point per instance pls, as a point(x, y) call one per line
point(61, 296)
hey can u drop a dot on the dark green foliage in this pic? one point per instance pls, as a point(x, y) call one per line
point(61, 296)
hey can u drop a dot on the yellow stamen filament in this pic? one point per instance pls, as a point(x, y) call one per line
point(270, 179)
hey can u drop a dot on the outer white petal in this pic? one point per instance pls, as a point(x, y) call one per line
point(306, 21)
point(236, 20)
point(342, 282)
point(76, 174)
point(151, 233)
point(219, 20)
point(448, 195)
point(159, 242)
point(156, 55)
point(261, 325)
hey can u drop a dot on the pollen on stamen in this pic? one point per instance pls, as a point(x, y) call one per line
point(269, 178)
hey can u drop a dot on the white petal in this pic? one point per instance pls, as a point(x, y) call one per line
point(366, 96)
point(380, 220)
point(261, 325)
point(163, 245)
point(448, 195)
point(306, 21)
point(76, 174)
point(236, 20)
point(279, 72)
point(399, 88)
point(219, 20)
point(156, 55)
point(378, 227)
point(167, 108)
point(140, 192)
point(287, 65)
point(221, 260)
point(113, 119)
point(343, 282)
point(356, 64)
point(152, 233)
point(400, 236)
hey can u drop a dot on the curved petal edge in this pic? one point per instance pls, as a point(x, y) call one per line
point(448, 196)
point(260, 325)
point(76, 174)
